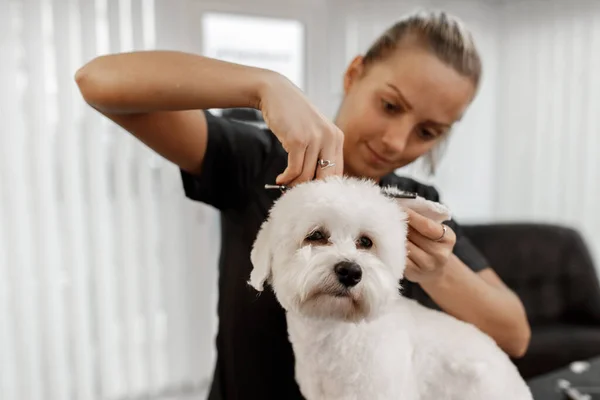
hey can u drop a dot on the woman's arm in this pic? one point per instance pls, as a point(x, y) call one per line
point(483, 300)
point(155, 94)
point(478, 298)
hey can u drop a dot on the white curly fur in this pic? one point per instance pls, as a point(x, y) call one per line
point(367, 341)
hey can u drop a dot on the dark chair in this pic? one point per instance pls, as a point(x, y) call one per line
point(551, 270)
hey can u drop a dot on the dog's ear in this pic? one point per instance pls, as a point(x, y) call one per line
point(261, 257)
point(430, 209)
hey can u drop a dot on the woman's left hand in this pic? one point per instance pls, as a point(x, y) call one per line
point(428, 248)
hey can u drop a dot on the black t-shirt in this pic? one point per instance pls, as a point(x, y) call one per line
point(254, 357)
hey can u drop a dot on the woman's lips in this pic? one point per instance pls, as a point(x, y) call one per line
point(376, 157)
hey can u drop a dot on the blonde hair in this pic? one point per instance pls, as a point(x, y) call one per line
point(446, 37)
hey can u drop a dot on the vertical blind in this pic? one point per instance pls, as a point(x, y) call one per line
point(98, 294)
point(548, 130)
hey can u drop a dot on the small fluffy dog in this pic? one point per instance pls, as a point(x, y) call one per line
point(334, 252)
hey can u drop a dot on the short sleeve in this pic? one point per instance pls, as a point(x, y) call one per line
point(236, 155)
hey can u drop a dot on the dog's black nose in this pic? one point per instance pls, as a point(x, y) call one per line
point(348, 273)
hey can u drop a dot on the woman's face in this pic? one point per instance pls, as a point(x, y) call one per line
point(397, 109)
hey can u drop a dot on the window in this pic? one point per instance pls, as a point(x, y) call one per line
point(275, 44)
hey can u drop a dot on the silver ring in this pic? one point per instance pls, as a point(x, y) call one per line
point(443, 234)
point(325, 164)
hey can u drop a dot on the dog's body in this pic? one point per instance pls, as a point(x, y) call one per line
point(410, 352)
point(334, 252)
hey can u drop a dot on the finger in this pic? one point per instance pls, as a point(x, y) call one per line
point(328, 153)
point(423, 242)
point(425, 226)
point(411, 264)
point(419, 257)
point(309, 164)
point(294, 167)
point(339, 149)
point(411, 272)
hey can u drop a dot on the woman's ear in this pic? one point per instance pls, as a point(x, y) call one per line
point(353, 73)
point(261, 257)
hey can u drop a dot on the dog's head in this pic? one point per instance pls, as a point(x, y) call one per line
point(333, 248)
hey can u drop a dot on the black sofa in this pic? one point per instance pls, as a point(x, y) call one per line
point(551, 270)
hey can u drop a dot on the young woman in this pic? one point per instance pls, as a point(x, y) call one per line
point(400, 101)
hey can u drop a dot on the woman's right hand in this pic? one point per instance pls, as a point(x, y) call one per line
point(304, 132)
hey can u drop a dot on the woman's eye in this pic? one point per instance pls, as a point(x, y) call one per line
point(316, 236)
point(390, 108)
point(427, 134)
point(364, 242)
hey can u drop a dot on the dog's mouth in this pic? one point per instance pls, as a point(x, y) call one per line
point(340, 293)
point(335, 302)
point(334, 291)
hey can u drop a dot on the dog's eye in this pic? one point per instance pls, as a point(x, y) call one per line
point(316, 236)
point(364, 242)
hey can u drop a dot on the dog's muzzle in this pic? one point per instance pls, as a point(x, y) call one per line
point(348, 273)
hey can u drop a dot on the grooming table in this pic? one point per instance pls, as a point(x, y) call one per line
point(583, 377)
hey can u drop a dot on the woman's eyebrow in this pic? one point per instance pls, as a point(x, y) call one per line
point(440, 124)
point(403, 99)
point(409, 107)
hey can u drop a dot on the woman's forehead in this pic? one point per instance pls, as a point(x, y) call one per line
point(425, 83)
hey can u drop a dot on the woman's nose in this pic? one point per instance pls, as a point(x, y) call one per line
point(396, 137)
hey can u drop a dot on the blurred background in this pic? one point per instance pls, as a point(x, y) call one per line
point(108, 274)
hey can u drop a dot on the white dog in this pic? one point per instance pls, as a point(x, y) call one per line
point(334, 252)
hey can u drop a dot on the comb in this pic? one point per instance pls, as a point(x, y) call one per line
point(394, 194)
point(403, 195)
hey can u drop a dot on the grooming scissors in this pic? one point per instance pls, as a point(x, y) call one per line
point(282, 188)
point(570, 392)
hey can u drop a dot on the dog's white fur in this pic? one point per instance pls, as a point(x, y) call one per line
point(368, 342)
